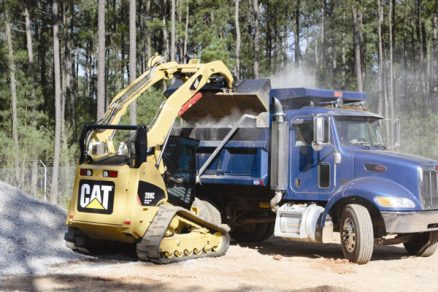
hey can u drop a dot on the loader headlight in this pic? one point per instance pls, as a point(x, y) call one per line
point(394, 202)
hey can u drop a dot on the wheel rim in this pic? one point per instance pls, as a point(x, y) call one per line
point(349, 235)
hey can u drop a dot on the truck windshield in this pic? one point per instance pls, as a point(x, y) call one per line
point(362, 131)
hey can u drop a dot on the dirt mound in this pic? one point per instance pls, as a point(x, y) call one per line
point(31, 233)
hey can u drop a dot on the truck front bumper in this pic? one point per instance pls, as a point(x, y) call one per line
point(410, 222)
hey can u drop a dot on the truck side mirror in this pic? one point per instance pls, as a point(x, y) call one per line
point(318, 133)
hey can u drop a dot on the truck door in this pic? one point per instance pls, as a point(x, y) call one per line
point(312, 172)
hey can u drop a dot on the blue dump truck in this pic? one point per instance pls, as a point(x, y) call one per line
point(301, 164)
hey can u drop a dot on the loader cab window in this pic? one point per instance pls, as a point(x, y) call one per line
point(125, 145)
point(180, 177)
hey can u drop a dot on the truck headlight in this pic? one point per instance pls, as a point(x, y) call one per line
point(394, 202)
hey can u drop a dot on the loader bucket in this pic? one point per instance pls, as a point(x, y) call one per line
point(250, 97)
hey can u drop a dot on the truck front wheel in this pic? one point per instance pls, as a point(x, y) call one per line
point(357, 237)
point(422, 244)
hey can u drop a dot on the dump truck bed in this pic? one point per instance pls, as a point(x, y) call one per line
point(244, 160)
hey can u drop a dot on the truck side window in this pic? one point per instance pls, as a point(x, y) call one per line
point(303, 140)
point(304, 133)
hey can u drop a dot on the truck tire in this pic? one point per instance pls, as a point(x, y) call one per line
point(422, 244)
point(207, 211)
point(357, 236)
point(255, 232)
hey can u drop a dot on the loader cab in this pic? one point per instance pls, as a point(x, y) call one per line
point(180, 177)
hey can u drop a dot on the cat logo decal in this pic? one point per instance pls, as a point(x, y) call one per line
point(96, 196)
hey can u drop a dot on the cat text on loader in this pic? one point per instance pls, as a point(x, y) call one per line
point(135, 184)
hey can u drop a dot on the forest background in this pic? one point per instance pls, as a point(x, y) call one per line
point(62, 62)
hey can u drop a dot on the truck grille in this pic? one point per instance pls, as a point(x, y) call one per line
point(429, 189)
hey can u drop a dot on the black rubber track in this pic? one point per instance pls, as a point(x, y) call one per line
point(148, 249)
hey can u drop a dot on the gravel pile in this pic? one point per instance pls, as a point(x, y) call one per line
point(31, 234)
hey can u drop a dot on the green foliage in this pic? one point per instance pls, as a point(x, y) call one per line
point(211, 36)
point(148, 105)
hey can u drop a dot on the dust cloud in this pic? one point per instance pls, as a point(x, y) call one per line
point(292, 76)
point(228, 121)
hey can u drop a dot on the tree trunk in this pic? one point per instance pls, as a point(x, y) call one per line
point(29, 51)
point(382, 91)
point(34, 157)
point(58, 117)
point(132, 57)
point(344, 54)
point(13, 87)
point(321, 54)
point(86, 74)
point(186, 33)
point(333, 44)
point(236, 23)
point(165, 34)
point(256, 38)
point(276, 40)
point(419, 42)
point(173, 32)
point(67, 66)
point(74, 74)
point(297, 50)
point(101, 59)
point(434, 83)
point(148, 32)
point(357, 49)
point(391, 63)
point(179, 42)
point(405, 62)
point(361, 41)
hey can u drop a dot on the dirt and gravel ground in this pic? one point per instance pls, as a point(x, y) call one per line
point(274, 265)
point(39, 261)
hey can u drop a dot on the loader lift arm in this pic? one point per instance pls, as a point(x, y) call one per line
point(194, 76)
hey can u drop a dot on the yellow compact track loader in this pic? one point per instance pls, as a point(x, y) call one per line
point(135, 184)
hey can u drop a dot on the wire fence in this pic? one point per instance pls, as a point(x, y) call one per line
point(35, 179)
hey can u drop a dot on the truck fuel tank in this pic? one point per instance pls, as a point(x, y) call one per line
point(299, 222)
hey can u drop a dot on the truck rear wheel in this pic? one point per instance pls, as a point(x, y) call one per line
point(422, 244)
point(255, 232)
point(357, 237)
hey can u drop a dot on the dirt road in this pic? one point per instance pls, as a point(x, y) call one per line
point(272, 265)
